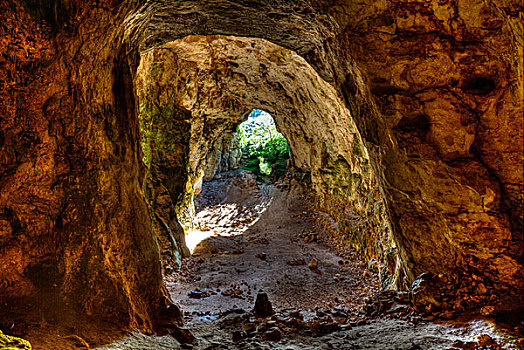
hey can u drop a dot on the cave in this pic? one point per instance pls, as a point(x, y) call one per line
point(406, 117)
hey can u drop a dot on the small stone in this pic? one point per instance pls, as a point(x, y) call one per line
point(297, 262)
point(487, 310)
point(249, 328)
point(345, 327)
point(198, 294)
point(327, 327)
point(238, 336)
point(273, 334)
point(183, 335)
point(486, 340)
point(263, 305)
point(311, 237)
point(313, 264)
point(271, 323)
point(261, 256)
point(320, 312)
point(205, 248)
point(481, 289)
point(262, 327)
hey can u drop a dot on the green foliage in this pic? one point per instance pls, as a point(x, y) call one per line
point(253, 164)
point(264, 146)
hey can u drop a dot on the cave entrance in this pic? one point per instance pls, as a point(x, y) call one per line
point(252, 235)
point(72, 205)
point(264, 149)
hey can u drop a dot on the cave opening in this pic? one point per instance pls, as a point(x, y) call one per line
point(264, 149)
point(254, 212)
point(192, 129)
point(256, 147)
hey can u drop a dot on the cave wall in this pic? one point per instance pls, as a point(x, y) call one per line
point(436, 91)
point(165, 131)
point(447, 80)
point(73, 221)
point(225, 156)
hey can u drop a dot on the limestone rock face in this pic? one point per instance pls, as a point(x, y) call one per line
point(164, 139)
point(447, 80)
point(73, 220)
point(225, 156)
point(436, 90)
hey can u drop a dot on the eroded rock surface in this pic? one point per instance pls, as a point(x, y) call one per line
point(447, 79)
point(225, 156)
point(73, 220)
point(439, 105)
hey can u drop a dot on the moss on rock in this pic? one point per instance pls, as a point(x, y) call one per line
point(8, 342)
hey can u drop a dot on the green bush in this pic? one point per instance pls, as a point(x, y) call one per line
point(253, 165)
point(263, 145)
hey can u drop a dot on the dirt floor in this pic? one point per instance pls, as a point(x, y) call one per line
point(257, 242)
point(254, 237)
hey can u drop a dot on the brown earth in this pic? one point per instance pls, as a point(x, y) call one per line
point(257, 233)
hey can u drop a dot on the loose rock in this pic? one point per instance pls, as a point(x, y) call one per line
point(263, 306)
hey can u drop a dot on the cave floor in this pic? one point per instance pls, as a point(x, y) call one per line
point(252, 236)
point(257, 241)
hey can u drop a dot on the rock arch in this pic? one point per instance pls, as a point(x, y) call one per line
point(218, 80)
point(72, 216)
